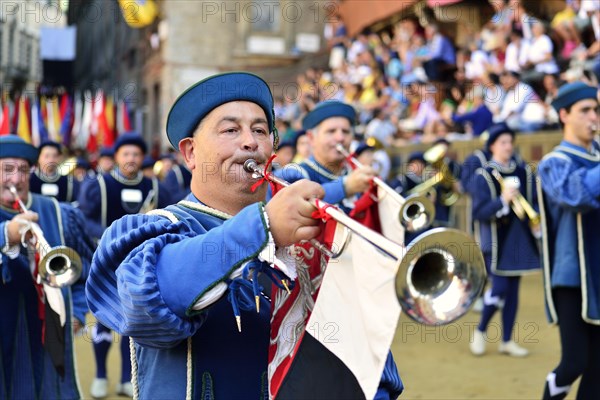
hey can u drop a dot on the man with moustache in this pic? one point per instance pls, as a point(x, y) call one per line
point(175, 279)
point(36, 349)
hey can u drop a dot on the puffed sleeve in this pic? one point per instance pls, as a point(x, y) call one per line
point(90, 202)
point(334, 190)
point(570, 187)
point(390, 385)
point(148, 272)
point(484, 207)
point(77, 238)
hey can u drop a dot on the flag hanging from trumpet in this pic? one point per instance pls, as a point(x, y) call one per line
point(330, 337)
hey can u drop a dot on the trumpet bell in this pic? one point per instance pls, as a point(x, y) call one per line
point(417, 213)
point(59, 267)
point(440, 277)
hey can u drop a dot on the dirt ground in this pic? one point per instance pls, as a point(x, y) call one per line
point(435, 363)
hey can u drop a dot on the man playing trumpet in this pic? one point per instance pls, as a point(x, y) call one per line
point(570, 190)
point(507, 242)
point(37, 322)
point(178, 280)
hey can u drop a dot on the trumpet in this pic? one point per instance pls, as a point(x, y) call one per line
point(435, 157)
point(416, 212)
point(520, 205)
point(59, 266)
point(435, 283)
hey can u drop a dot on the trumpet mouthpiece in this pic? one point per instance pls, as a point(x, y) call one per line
point(250, 165)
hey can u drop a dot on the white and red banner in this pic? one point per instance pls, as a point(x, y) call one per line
point(331, 335)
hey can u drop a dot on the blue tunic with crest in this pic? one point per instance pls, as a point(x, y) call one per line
point(332, 184)
point(62, 188)
point(111, 195)
point(507, 243)
point(167, 280)
point(570, 189)
point(26, 371)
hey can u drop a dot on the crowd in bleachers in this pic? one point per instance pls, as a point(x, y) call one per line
point(414, 84)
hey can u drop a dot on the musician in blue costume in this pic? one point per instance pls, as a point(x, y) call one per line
point(445, 215)
point(177, 182)
point(176, 280)
point(47, 179)
point(569, 188)
point(331, 123)
point(407, 179)
point(121, 191)
point(507, 241)
point(30, 369)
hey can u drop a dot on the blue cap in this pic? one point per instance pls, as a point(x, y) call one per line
point(82, 163)
point(287, 143)
point(417, 156)
point(328, 109)
point(199, 100)
point(107, 152)
point(495, 131)
point(50, 143)
point(148, 162)
point(133, 138)
point(571, 93)
point(363, 146)
point(13, 146)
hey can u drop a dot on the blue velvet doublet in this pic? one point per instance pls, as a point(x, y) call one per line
point(570, 189)
point(110, 196)
point(507, 243)
point(62, 188)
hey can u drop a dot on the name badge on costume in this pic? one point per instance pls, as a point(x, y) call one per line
point(49, 189)
point(512, 182)
point(131, 199)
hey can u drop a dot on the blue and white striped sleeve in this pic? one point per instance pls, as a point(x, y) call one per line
point(148, 272)
point(390, 386)
point(570, 187)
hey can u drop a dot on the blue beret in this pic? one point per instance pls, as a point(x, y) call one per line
point(417, 156)
point(12, 146)
point(363, 146)
point(133, 138)
point(571, 93)
point(287, 143)
point(107, 152)
point(328, 109)
point(148, 162)
point(82, 163)
point(49, 143)
point(199, 100)
point(495, 131)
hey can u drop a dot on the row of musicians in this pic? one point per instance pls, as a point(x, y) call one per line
point(118, 180)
